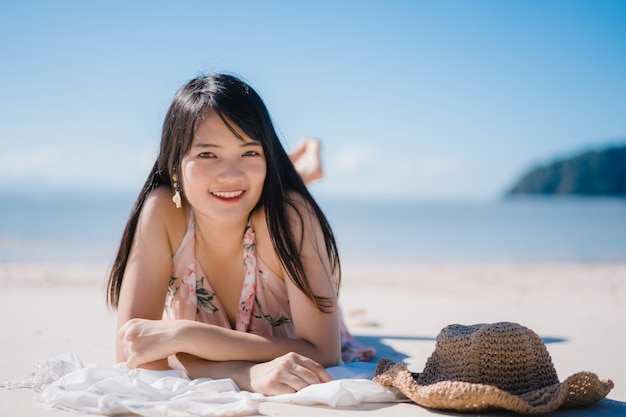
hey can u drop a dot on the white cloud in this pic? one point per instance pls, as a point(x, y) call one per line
point(365, 171)
point(351, 159)
point(28, 164)
point(89, 167)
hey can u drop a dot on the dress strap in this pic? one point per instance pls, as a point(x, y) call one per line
point(249, 290)
point(189, 234)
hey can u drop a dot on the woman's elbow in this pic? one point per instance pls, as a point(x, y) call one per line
point(329, 357)
point(331, 363)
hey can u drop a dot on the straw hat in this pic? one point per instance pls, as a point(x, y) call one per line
point(487, 366)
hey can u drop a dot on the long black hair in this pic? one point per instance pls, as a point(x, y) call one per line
point(235, 102)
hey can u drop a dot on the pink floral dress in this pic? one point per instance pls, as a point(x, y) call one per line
point(263, 306)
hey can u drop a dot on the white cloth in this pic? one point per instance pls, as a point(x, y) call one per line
point(67, 383)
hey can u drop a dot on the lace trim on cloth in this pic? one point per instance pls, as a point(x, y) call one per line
point(67, 383)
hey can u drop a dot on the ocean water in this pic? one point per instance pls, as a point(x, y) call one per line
point(510, 230)
point(88, 228)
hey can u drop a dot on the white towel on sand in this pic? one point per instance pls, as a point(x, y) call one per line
point(67, 383)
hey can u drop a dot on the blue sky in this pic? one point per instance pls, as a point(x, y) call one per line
point(429, 100)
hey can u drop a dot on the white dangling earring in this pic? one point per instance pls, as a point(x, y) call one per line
point(176, 198)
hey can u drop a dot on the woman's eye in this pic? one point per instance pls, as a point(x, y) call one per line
point(207, 155)
point(251, 153)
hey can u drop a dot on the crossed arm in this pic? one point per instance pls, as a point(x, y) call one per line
point(269, 365)
point(255, 363)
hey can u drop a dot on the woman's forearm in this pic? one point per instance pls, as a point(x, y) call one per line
point(219, 344)
point(238, 371)
point(144, 341)
point(286, 374)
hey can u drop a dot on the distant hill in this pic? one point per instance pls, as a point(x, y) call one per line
point(592, 173)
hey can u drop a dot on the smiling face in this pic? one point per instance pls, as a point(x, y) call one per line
point(223, 174)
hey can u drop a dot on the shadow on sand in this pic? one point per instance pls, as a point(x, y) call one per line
point(383, 350)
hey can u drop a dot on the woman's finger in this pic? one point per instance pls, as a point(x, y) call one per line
point(291, 382)
point(306, 375)
point(132, 362)
point(319, 372)
point(298, 372)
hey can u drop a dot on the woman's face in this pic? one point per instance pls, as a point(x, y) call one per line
point(223, 175)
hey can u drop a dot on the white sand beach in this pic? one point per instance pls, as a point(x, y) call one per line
point(578, 309)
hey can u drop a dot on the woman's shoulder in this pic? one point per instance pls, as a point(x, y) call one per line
point(301, 214)
point(297, 209)
point(301, 218)
point(160, 195)
point(298, 205)
point(159, 203)
point(160, 212)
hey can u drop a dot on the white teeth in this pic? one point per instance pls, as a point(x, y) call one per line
point(227, 194)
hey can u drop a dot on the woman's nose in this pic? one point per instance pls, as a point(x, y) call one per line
point(231, 170)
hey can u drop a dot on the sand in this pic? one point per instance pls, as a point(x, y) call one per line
point(579, 310)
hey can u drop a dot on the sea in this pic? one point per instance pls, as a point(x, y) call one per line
point(87, 228)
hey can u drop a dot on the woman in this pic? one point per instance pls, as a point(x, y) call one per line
point(226, 236)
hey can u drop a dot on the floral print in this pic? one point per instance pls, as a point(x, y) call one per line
point(352, 350)
point(274, 322)
point(191, 291)
point(263, 306)
point(205, 297)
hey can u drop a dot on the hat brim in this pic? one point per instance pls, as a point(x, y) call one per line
point(581, 389)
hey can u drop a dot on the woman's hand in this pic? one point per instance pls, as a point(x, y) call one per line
point(286, 374)
point(145, 341)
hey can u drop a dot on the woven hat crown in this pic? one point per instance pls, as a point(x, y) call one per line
point(506, 355)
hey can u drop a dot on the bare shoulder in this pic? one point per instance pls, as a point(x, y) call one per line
point(158, 234)
point(301, 215)
point(299, 202)
point(303, 223)
point(159, 206)
point(159, 212)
